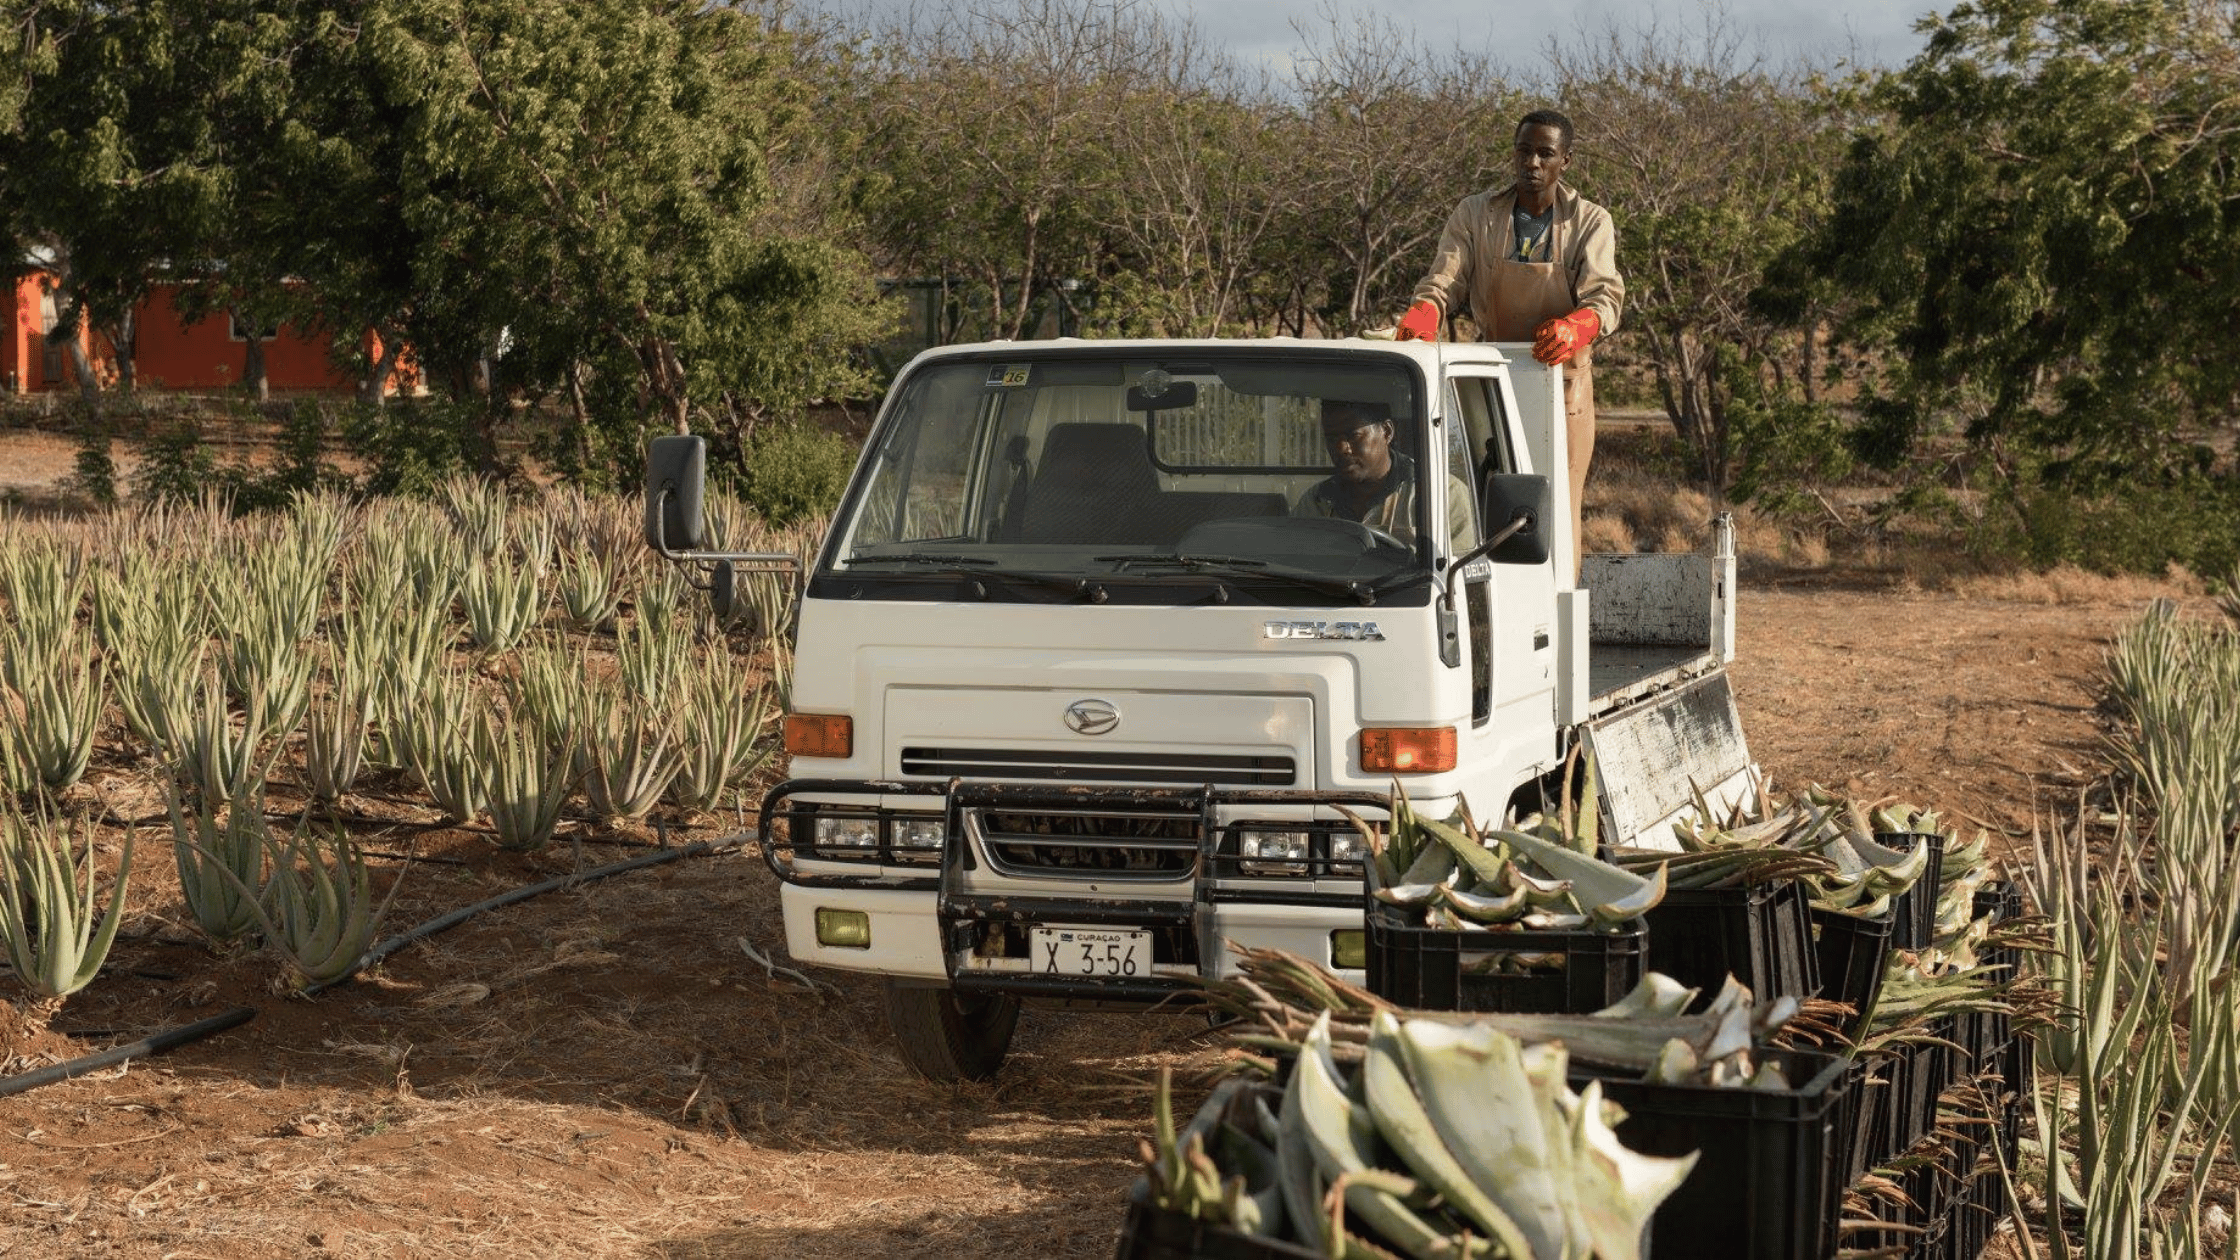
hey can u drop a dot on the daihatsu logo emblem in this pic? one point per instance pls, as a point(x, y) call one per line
point(1092, 717)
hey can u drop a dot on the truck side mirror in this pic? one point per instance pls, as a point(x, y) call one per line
point(676, 472)
point(1509, 497)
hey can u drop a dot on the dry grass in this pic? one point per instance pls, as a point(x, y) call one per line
point(1640, 500)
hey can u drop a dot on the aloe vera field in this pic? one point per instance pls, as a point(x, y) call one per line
point(243, 750)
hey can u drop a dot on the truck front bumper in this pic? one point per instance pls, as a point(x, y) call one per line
point(950, 915)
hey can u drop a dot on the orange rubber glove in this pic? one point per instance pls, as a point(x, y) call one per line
point(1421, 323)
point(1566, 335)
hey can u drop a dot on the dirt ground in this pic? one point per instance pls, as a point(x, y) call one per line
point(604, 1071)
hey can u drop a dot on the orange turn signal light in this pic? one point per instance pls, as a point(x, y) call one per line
point(1407, 749)
point(820, 734)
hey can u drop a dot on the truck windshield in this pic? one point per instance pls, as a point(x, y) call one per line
point(1286, 479)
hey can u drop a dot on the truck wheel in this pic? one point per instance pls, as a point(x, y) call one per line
point(949, 1036)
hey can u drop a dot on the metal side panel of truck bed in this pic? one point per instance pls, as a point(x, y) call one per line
point(1661, 716)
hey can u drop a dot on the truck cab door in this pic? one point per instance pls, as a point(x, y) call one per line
point(1508, 610)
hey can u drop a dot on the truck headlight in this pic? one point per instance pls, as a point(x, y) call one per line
point(1283, 846)
point(848, 833)
point(920, 833)
point(1346, 846)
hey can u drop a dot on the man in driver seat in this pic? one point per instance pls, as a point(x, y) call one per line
point(1372, 483)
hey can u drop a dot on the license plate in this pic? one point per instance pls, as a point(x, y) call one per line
point(1090, 952)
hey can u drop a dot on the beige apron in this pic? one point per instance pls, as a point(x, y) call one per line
point(1525, 296)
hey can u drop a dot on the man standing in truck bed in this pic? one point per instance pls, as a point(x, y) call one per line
point(1533, 261)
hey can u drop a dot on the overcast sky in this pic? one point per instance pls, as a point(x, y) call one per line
point(1870, 32)
point(1864, 32)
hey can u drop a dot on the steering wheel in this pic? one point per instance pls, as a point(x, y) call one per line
point(1384, 539)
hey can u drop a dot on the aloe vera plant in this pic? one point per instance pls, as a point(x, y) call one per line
point(58, 711)
point(221, 864)
point(159, 644)
point(503, 600)
point(221, 761)
point(626, 758)
point(653, 657)
point(525, 782)
point(334, 735)
point(263, 616)
point(719, 740)
point(55, 941)
point(45, 582)
point(590, 593)
point(438, 745)
point(316, 909)
point(478, 509)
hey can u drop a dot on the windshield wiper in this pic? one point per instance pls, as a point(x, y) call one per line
point(919, 557)
point(1251, 567)
point(943, 564)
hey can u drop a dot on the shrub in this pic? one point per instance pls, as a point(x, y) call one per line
point(795, 471)
point(176, 464)
point(412, 447)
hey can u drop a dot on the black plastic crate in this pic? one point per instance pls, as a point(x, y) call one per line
point(1853, 955)
point(1900, 1108)
point(1767, 1183)
point(1148, 1233)
point(1975, 1219)
point(1916, 908)
point(1762, 936)
point(1879, 1085)
point(1934, 1071)
point(1523, 972)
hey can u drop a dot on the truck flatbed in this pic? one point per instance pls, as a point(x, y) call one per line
point(1620, 673)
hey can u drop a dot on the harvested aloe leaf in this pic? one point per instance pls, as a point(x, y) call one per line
point(1657, 994)
point(1478, 909)
point(1593, 880)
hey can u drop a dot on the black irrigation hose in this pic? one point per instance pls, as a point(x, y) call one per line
point(172, 1038)
point(169, 1038)
point(444, 923)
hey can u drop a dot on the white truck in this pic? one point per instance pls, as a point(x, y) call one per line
point(1079, 687)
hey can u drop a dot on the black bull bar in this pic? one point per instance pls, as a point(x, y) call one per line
point(960, 913)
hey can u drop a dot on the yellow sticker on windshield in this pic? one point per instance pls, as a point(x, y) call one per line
point(1009, 375)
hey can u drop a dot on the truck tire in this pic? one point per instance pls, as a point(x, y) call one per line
point(947, 1036)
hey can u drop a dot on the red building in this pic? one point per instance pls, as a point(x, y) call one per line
point(171, 352)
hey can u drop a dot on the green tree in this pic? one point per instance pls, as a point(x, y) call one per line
point(1712, 164)
point(109, 174)
point(2036, 225)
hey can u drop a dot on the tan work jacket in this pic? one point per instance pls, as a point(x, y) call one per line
point(1510, 300)
point(1477, 240)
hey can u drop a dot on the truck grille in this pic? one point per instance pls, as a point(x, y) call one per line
point(1059, 765)
point(1137, 845)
